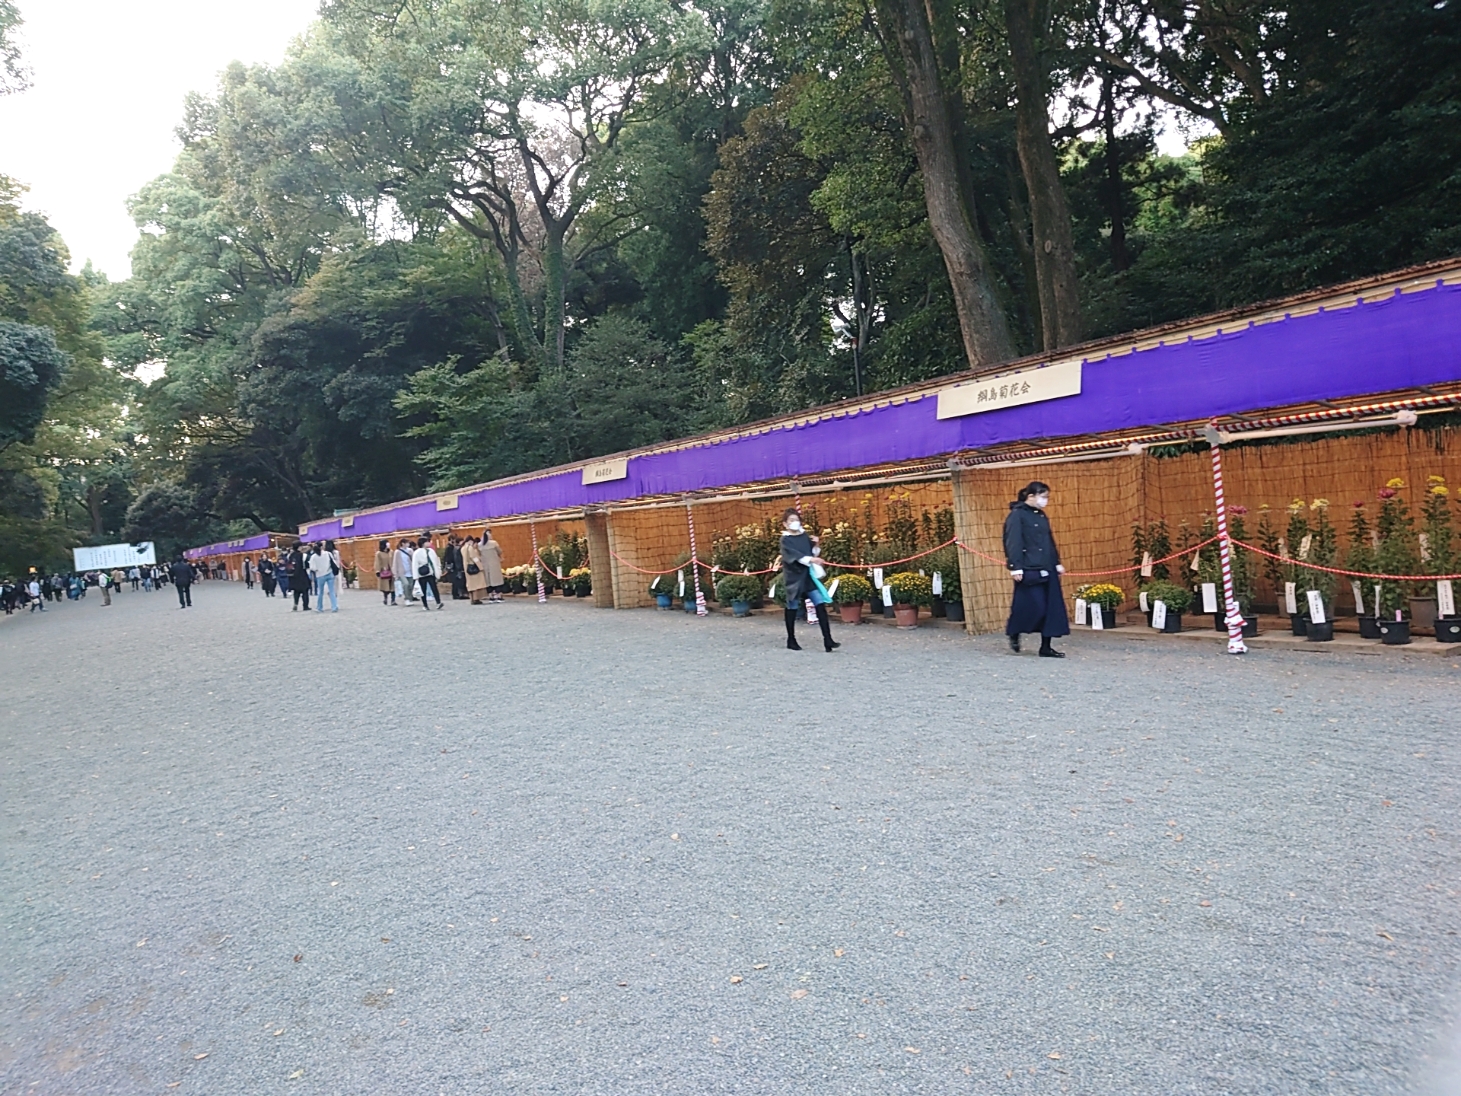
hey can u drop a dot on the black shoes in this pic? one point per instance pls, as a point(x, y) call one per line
point(793, 645)
point(1014, 644)
point(1051, 652)
point(831, 645)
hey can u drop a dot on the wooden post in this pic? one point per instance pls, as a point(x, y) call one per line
point(596, 529)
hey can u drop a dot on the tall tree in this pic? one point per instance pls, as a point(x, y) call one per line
point(922, 49)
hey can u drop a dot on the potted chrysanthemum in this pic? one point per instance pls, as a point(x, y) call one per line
point(1398, 554)
point(738, 591)
point(1104, 598)
point(1323, 549)
point(850, 593)
point(910, 591)
point(1175, 598)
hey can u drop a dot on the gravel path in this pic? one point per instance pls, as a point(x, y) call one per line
point(558, 850)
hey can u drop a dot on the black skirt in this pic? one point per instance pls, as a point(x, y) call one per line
point(1038, 606)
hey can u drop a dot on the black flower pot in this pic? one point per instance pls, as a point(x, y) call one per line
point(1448, 629)
point(954, 610)
point(1394, 633)
point(1174, 623)
point(937, 607)
point(1250, 627)
point(1321, 633)
point(1299, 623)
point(1220, 623)
point(1369, 627)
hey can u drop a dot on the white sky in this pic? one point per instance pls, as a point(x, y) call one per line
point(107, 89)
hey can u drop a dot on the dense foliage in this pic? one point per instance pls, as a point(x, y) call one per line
point(449, 240)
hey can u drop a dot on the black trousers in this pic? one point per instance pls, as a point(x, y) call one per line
point(428, 582)
point(185, 595)
point(301, 595)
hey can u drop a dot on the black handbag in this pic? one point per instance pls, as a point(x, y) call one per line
point(473, 569)
point(424, 570)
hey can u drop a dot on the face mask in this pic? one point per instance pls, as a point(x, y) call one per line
point(794, 525)
point(1039, 501)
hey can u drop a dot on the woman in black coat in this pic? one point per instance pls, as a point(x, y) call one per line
point(299, 579)
point(798, 555)
point(1034, 563)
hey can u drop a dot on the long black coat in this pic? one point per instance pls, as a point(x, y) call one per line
point(1039, 603)
point(796, 575)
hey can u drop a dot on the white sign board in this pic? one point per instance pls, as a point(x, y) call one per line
point(606, 471)
point(1046, 382)
point(110, 556)
point(1209, 597)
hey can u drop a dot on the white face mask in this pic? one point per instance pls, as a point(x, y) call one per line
point(1039, 501)
point(794, 525)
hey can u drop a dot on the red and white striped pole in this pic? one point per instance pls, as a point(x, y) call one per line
point(1236, 646)
point(538, 565)
point(700, 609)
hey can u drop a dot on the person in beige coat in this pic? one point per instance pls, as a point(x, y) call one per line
point(472, 564)
point(385, 579)
point(492, 565)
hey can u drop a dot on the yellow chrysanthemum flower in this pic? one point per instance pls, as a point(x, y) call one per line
point(1396, 483)
point(1319, 504)
point(1439, 489)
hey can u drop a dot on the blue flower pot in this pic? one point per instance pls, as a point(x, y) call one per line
point(741, 608)
point(662, 600)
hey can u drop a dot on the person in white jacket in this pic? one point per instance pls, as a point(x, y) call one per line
point(405, 574)
point(324, 565)
point(426, 566)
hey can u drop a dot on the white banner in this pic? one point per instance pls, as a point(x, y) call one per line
point(887, 595)
point(1359, 599)
point(938, 584)
point(1159, 615)
point(878, 578)
point(1316, 607)
point(1445, 598)
point(1209, 597)
point(1098, 618)
point(1045, 382)
point(1290, 597)
point(1145, 605)
point(110, 556)
point(1080, 610)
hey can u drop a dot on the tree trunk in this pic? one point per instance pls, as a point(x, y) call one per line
point(93, 504)
point(1060, 310)
point(553, 290)
point(1114, 186)
point(930, 117)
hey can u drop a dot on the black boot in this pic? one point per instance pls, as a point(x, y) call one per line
point(791, 643)
point(1014, 643)
point(1047, 651)
point(824, 619)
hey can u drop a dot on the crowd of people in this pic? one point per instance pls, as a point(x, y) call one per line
point(36, 590)
point(409, 573)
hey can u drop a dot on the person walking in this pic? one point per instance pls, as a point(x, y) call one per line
point(426, 565)
point(248, 573)
point(492, 565)
point(104, 580)
point(453, 568)
point(475, 579)
point(405, 576)
point(798, 556)
point(385, 577)
point(1034, 565)
point(266, 575)
point(182, 578)
point(324, 566)
point(299, 579)
point(36, 600)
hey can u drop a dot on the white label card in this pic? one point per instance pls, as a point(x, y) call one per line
point(832, 590)
point(1080, 610)
point(1316, 607)
point(1146, 565)
point(878, 578)
point(887, 595)
point(1359, 598)
point(1283, 548)
point(682, 584)
point(1145, 605)
point(1305, 545)
point(1196, 561)
point(655, 584)
point(1377, 601)
point(1445, 598)
point(938, 584)
point(1209, 597)
point(1290, 598)
point(1098, 618)
point(1159, 615)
